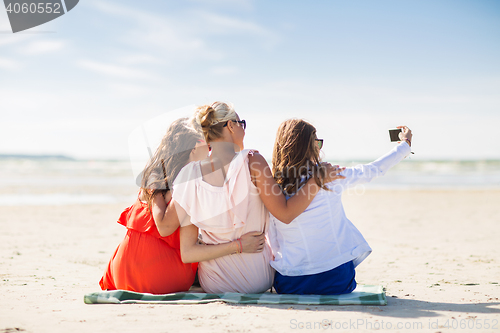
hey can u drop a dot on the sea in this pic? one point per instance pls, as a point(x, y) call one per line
point(58, 180)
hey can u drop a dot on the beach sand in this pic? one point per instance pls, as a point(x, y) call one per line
point(436, 252)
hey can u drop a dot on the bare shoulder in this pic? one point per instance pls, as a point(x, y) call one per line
point(256, 160)
point(255, 156)
point(259, 169)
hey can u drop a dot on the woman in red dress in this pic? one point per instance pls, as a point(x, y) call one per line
point(144, 261)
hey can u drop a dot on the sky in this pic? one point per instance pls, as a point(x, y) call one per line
point(81, 84)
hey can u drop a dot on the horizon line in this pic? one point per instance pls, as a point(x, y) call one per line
point(123, 159)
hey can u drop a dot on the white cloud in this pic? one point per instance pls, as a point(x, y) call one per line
point(122, 72)
point(42, 47)
point(129, 90)
point(184, 35)
point(151, 29)
point(9, 64)
point(140, 59)
point(10, 38)
point(240, 4)
point(26, 101)
point(224, 70)
point(230, 25)
point(4, 21)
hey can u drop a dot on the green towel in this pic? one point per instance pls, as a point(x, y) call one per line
point(362, 295)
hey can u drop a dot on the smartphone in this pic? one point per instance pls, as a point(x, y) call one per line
point(394, 134)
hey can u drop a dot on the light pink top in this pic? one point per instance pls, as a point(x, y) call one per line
point(223, 214)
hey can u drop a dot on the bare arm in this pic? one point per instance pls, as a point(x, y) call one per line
point(164, 214)
point(275, 201)
point(192, 251)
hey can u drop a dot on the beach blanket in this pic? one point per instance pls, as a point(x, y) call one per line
point(362, 295)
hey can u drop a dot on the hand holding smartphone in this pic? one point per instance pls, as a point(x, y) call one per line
point(402, 133)
point(394, 134)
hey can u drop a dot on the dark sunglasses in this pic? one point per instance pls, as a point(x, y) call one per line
point(320, 143)
point(242, 122)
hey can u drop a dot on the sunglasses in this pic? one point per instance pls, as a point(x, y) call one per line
point(242, 122)
point(320, 143)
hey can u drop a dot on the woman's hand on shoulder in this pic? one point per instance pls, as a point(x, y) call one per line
point(332, 172)
point(253, 242)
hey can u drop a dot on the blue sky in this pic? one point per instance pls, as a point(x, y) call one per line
point(80, 85)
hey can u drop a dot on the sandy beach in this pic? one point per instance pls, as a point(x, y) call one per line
point(89, 91)
point(436, 253)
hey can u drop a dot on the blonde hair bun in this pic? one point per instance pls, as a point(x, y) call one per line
point(212, 118)
point(205, 116)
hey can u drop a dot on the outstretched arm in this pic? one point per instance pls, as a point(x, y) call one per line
point(364, 173)
point(272, 197)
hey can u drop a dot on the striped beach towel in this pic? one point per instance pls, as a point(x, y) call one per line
point(362, 295)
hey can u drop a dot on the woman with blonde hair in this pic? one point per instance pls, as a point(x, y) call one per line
point(225, 195)
point(317, 252)
point(146, 261)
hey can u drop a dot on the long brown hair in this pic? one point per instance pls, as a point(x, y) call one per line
point(296, 155)
point(170, 157)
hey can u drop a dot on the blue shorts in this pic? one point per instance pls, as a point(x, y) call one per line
point(339, 280)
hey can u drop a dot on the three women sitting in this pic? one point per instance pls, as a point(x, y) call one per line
point(223, 204)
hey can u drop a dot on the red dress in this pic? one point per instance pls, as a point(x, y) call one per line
point(144, 261)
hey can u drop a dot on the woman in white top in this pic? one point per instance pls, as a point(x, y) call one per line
point(226, 195)
point(317, 252)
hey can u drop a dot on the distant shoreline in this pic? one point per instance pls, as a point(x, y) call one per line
point(37, 157)
point(344, 161)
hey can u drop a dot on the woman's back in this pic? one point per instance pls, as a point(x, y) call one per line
point(322, 237)
point(223, 214)
point(229, 201)
point(319, 239)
